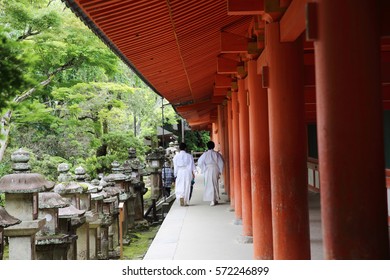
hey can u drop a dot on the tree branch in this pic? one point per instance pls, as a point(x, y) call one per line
point(27, 34)
point(51, 75)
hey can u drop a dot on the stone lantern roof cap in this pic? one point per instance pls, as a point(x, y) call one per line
point(68, 187)
point(24, 183)
point(115, 177)
point(116, 174)
point(93, 188)
point(48, 200)
point(6, 220)
point(112, 191)
point(98, 196)
point(70, 211)
point(109, 200)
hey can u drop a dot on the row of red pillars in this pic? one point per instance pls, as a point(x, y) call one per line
point(264, 140)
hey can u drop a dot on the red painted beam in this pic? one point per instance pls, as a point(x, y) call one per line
point(293, 23)
point(220, 92)
point(217, 99)
point(222, 81)
point(248, 7)
point(233, 43)
point(193, 107)
point(226, 66)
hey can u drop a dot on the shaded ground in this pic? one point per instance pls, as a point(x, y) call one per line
point(139, 243)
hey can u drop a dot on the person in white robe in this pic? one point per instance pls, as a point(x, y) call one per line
point(184, 171)
point(211, 165)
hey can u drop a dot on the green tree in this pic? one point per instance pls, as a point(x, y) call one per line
point(12, 63)
point(82, 105)
point(55, 41)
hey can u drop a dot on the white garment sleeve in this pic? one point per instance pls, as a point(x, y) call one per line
point(193, 168)
point(220, 162)
point(201, 164)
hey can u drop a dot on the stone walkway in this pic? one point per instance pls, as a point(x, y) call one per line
point(201, 232)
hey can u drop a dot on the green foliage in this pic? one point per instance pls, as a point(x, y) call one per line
point(86, 106)
point(12, 77)
point(196, 140)
point(5, 164)
point(47, 166)
point(43, 164)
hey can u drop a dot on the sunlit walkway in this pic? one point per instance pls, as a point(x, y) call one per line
point(202, 232)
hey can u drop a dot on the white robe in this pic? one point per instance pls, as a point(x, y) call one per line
point(183, 168)
point(211, 165)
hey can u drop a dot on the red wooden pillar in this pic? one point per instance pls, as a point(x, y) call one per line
point(226, 149)
point(260, 165)
point(245, 161)
point(350, 130)
point(215, 134)
point(231, 158)
point(236, 159)
point(288, 153)
point(222, 142)
point(220, 130)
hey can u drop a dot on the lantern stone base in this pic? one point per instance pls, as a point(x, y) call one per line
point(22, 239)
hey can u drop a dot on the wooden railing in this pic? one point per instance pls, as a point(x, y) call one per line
point(313, 175)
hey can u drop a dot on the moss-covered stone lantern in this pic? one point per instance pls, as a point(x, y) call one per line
point(21, 195)
point(6, 220)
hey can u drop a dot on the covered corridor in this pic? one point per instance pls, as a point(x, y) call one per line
point(201, 232)
point(296, 95)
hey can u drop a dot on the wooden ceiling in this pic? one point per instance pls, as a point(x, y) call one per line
point(189, 51)
point(173, 45)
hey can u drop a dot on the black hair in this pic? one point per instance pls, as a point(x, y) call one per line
point(182, 146)
point(210, 145)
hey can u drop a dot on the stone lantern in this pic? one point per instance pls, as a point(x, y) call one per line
point(103, 222)
point(172, 150)
point(155, 161)
point(71, 219)
point(6, 220)
point(92, 216)
point(72, 192)
point(21, 194)
point(66, 187)
point(118, 180)
point(51, 244)
point(111, 208)
point(133, 168)
point(65, 175)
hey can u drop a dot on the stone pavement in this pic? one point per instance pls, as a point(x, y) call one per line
point(202, 232)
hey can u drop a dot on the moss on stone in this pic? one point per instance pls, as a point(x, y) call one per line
point(139, 243)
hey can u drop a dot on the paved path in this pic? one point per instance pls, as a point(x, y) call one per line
point(202, 232)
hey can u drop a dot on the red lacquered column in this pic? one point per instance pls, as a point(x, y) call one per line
point(260, 166)
point(288, 146)
point(350, 130)
point(231, 159)
point(236, 159)
point(245, 161)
